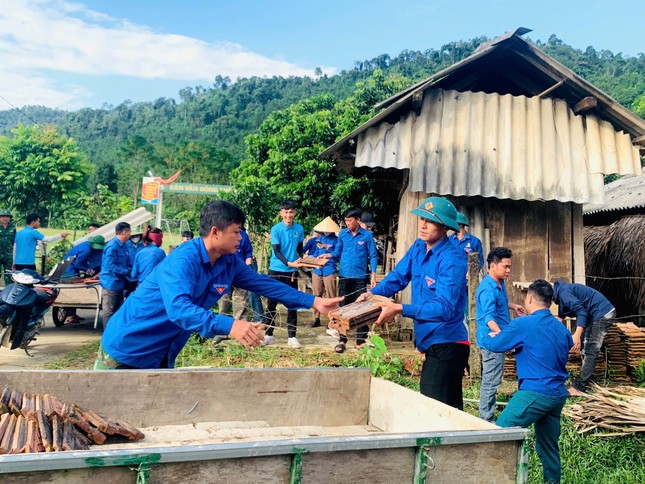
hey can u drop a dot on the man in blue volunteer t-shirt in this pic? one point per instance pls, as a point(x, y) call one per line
point(287, 240)
point(175, 301)
point(26, 241)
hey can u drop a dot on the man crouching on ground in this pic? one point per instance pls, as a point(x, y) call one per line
point(543, 345)
point(175, 300)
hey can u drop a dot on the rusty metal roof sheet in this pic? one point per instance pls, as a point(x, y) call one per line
point(623, 194)
point(503, 146)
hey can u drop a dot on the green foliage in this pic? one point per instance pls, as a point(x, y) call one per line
point(102, 206)
point(283, 163)
point(56, 254)
point(41, 167)
point(640, 373)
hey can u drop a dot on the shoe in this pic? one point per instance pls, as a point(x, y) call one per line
point(315, 323)
point(340, 348)
point(218, 339)
point(268, 340)
point(333, 333)
point(294, 343)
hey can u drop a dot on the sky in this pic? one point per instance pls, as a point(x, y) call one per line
point(88, 53)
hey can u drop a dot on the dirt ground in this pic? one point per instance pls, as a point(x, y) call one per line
point(52, 343)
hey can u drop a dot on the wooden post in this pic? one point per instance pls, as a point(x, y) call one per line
point(475, 359)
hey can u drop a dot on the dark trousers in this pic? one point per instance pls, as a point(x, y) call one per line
point(6, 264)
point(526, 408)
point(20, 267)
point(593, 338)
point(442, 372)
point(290, 279)
point(111, 301)
point(351, 288)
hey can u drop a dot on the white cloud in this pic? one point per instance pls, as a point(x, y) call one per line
point(37, 36)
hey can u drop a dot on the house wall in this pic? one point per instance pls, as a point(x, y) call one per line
point(546, 237)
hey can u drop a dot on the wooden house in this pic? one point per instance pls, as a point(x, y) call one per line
point(515, 139)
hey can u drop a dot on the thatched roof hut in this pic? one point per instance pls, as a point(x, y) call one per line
point(615, 264)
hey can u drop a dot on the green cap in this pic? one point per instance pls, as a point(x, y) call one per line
point(461, 219)
point(438, 210)
point(97, 242)
point(6, 213)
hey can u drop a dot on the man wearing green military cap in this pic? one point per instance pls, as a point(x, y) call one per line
point(7, 239)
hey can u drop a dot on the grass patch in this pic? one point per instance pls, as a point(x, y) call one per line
point(80, 359)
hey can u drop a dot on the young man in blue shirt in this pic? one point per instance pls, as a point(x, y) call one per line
point(149, 257)
point(492, 315)
point(115, 268)
point(287, 240)
point(594, 316)
point(323, 279)
point(26, 241)
point(237, 299)
point(87, 257)
point(543, 345)
point(465, 241)
point(175, 301)
point(437, 272)
point(354, 250)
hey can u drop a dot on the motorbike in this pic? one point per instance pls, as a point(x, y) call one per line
point(22, 308)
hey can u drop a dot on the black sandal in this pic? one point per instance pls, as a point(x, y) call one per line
point(340, 348)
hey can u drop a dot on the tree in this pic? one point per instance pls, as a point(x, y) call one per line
point(40, 167)
point(283, 163)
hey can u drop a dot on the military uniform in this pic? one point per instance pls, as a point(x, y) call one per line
point(7, 239)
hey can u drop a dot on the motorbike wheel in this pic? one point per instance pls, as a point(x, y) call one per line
point(5, 336)
point(58, 316)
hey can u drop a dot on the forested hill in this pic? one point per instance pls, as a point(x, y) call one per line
point(211, 123)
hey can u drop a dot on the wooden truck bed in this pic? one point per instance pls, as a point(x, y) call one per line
point(268, 425)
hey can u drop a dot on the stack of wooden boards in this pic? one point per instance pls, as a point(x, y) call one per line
point(42, 423)
point(355, 315)
point(615, 411)
point(625, 344)
point(314, 262)
point(618, 360)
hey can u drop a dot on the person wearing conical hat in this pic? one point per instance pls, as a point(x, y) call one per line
point(465, 241)
point(323, 279)
point(7, 239)
point(437, 272)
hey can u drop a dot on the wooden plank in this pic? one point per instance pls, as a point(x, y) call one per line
point(550, 89)
point(74, 476)
point(585, 104)
point(473, 463)
point(422, 414)
point(282, 397)
point(560, 248)
point(386, 465)
point(474, 359)
point(578, 241)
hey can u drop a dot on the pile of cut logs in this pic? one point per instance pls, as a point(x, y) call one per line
point(42, 423)
point(573, 366)
point(355, 315)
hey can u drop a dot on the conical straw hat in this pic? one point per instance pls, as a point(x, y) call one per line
point(327, 225)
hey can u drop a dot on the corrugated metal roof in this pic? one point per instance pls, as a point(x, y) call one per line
point(503, 146)
point(506, 58)
point(623, 194)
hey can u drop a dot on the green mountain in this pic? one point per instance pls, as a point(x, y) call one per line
point(211, 123)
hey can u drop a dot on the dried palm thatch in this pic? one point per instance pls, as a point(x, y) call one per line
point(609, 411)
point(618, 251)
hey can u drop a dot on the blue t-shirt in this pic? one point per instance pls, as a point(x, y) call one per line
point(288, 239)
point(438, 278)
point(543, 343)
point(354, 252)
point(26, 241)
point(492, 305)
point(146, 260)
point(311, 248)
point(468, 244)
point(115, 265)
point(86, 258)
point(175, 301)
